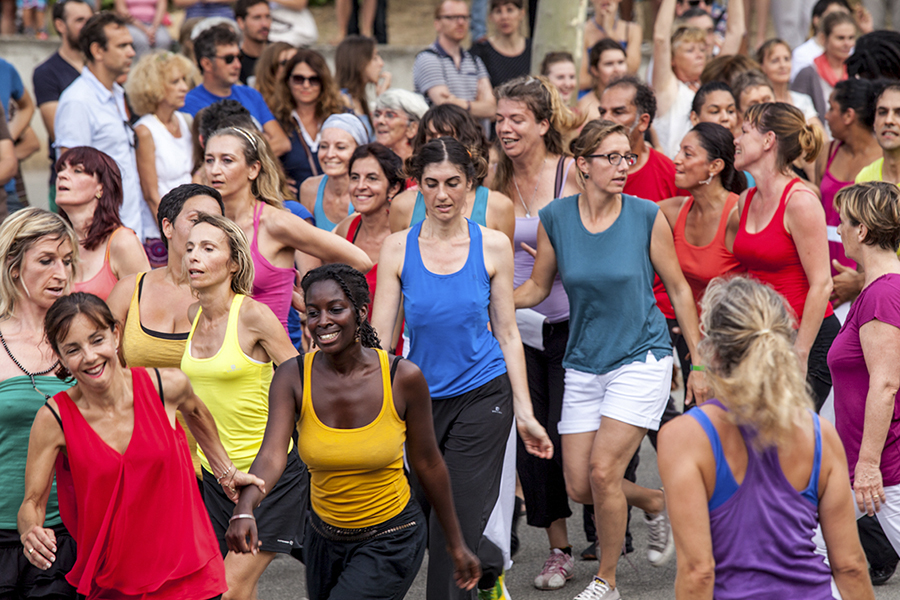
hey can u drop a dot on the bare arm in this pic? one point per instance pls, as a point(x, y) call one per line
point(499, 260)
point(537, 287)
point(8, 162)
point(294, 4)
point(633, 51)
point(294, 232)
point(880, 345)
point(501, 215)
point(664, 83)
point(127, 255)
point(24, 112)
point(484, 106)
point(735, 29)
point(388, 291)
point(48, 113)
point(276, 137)
point(119, 300)
point(267, 339)
point(159, 14)
point(146, 165)
point(401, 210)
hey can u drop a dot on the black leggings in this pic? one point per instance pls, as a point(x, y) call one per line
point(818, 376)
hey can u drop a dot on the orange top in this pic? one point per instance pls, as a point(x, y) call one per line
point(701, 264)
point(103, 282)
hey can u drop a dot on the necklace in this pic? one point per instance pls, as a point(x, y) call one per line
point(23, 369)
point(534, 193)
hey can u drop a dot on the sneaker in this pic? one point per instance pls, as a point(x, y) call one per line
point(498, 592)
point(661, 545)
point(598, 589)
point(558, 567)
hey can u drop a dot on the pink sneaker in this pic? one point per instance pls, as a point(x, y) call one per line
point(558, 568)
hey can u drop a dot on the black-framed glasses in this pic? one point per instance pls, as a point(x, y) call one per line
point(303, 80)
point(456, 18)
point(229, 58)
point(615, 158)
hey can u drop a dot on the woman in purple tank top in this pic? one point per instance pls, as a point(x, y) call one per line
point(751, 476)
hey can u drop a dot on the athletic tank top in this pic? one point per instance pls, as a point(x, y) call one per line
point(447, 320)
point(829, 188)
point(357, 476)
point(144, 347)
point(173, 155)
point(479, 207)
point(273, 286)
point(762, 529)
point(701, 264)
point(322, 221)
point(105, 280)
point(771, 256)
point(235, 389)
point(141, 528)
point(371, 276)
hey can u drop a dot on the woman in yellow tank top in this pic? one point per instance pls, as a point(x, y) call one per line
point(229, 357)
point(358, 406)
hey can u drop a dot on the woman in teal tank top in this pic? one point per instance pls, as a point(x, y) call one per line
point(607, 247)
point(38, 252)
point(229, 358)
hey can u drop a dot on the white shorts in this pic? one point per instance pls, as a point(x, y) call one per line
point(635, 393)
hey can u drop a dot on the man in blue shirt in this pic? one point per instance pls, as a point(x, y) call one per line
point(218, 56)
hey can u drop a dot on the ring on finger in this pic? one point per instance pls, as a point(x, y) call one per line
point(30, 550)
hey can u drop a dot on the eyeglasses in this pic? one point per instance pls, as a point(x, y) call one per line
point(300, 80)
point(457, 18)
point(615, 158)
point(388, 114)
point(229, 58)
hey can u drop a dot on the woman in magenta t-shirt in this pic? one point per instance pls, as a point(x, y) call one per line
point(863, 358)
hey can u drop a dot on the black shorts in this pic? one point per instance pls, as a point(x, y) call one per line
point(279, 518)
point(20, 579)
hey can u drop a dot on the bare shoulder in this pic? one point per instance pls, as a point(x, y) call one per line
point(344, 226)
point(495, 241)
point(125, 240)
point(175, 383)
point(499, 199)
point(308, 190)
point(143, 133)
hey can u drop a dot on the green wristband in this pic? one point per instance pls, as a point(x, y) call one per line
point(698, 368)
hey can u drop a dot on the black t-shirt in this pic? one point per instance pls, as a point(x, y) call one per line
point(248, 66)
point(503, 68)
point(51, 77)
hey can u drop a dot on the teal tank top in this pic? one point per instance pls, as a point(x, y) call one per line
point(322, 221)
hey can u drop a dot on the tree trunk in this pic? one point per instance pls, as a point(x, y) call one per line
point(559, 27)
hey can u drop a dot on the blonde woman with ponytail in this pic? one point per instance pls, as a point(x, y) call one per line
point(782, 238)
point(533, 169)
point(751, 475)
point(241, 166)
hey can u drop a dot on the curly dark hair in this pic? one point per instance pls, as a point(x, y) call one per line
point(355, 287)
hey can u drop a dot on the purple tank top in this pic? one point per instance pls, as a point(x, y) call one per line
point(273, 286)
point(762, 535)
point(829, 188)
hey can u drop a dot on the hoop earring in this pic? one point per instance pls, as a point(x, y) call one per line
point(708, 180)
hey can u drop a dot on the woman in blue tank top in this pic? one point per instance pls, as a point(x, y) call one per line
point(607, 248)
point(454, 277)
point(753, 474)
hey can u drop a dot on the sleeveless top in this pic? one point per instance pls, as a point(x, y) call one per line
point(127, 512)
point(447, 320)
point(829, 187)
point(479, 207)
point(273, 286)
point(356, 475)
point(556, 306)
point(762, 529)
point(105, 280)
point(613, 318)
point(322, 221)
point(235, 389)
point(701, 264)
point(371, 276)
point(771, 256)
point(144, 347)
point(19, 402)
point(173, 154)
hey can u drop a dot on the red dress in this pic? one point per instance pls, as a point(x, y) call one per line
point(137, 518)
point(771, 256)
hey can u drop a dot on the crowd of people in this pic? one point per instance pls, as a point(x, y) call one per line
point(277, 308)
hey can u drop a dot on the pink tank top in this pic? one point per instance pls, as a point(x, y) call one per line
point(105, 280)
point(829, 188)
point(273, 286)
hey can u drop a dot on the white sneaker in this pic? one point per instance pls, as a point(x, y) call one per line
point(661, 545)
point(558, 568)
point(598, 589)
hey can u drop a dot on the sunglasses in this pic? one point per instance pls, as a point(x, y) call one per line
point(303, 80)
point(229, 58)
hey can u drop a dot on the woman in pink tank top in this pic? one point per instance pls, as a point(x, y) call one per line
point(89, 195)
point(123, 469)
point(781, 239)
point(241, 166)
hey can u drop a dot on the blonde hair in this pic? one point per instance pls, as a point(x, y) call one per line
point(687, 35)
point(146, 85)
point(875, 204)
point(543, 100)
point(19, 232)
point(270, 186)
point(749, 352)
point(794, 135)
point(239, 251)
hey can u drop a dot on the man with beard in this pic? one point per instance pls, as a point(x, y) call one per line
point(255, 20)
point(56, 73)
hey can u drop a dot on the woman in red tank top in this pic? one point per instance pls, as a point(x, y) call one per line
point(125, 481)
point(782, 239)
point(704, 224)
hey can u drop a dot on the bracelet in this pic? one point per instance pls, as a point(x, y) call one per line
point(698, 368)
point(225, 474)
point(242, 516)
